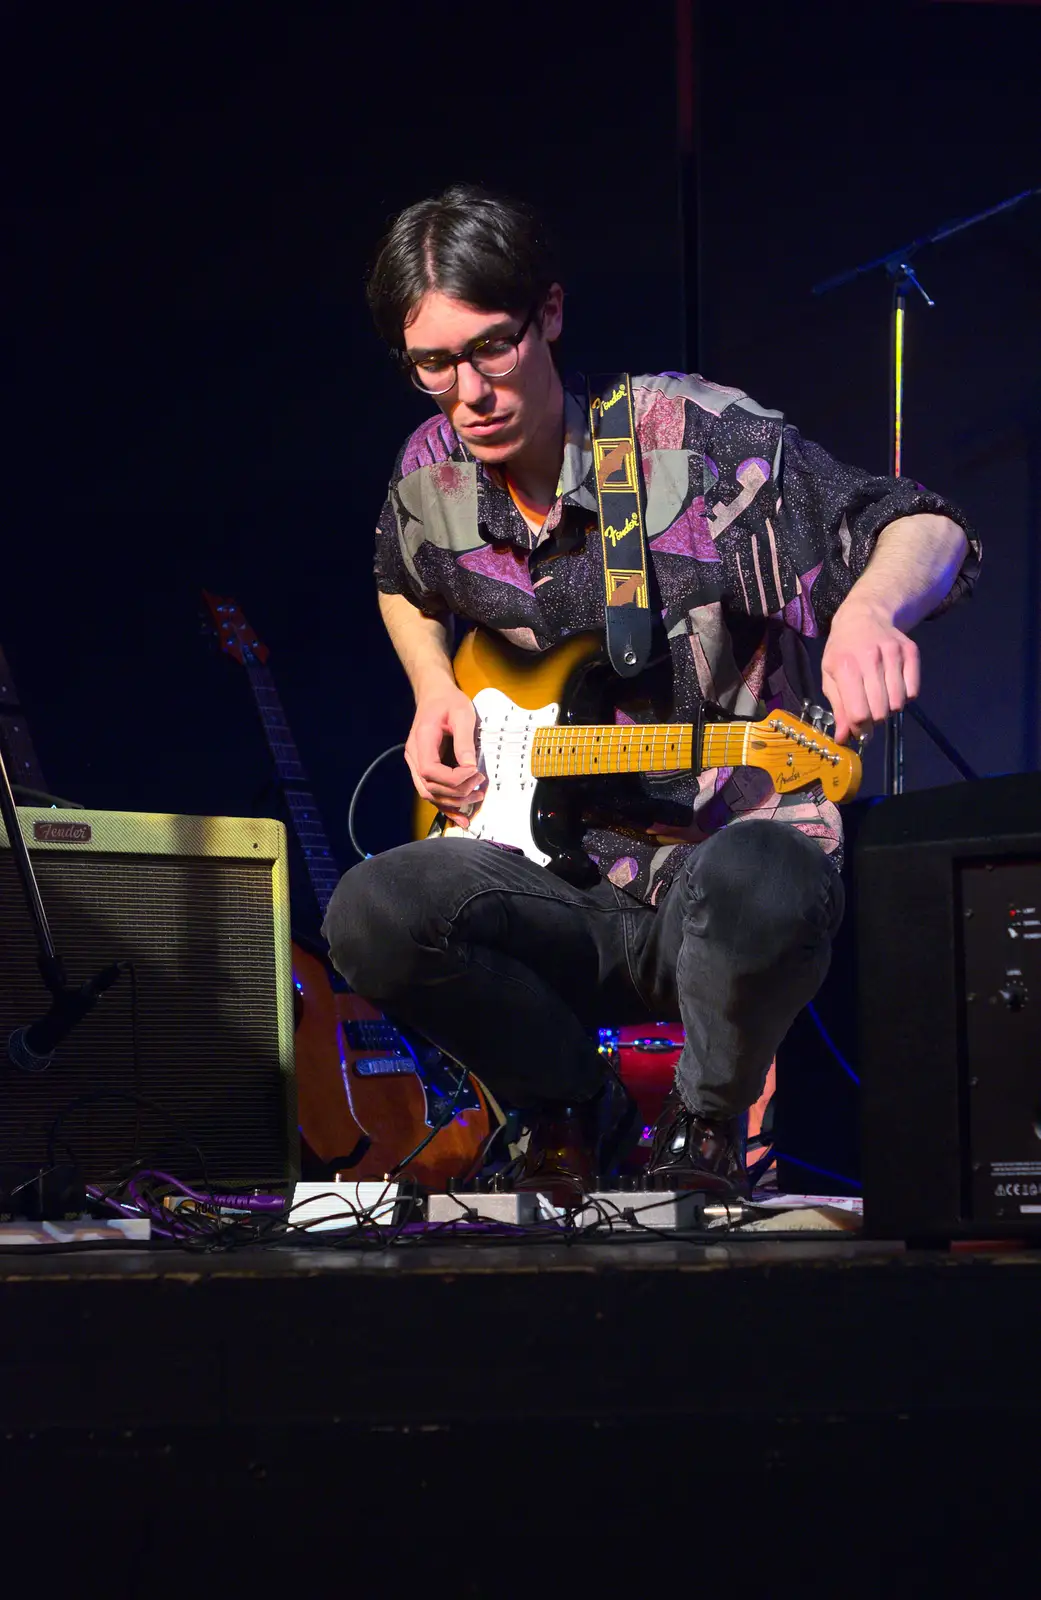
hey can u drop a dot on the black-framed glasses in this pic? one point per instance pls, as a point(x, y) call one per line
point(492, 358)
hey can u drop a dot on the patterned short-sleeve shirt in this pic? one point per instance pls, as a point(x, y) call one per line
point(755, 534)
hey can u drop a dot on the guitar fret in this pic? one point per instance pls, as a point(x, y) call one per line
point(642, 747)
point(239, 640)
point(310, 833)
point(781, 745)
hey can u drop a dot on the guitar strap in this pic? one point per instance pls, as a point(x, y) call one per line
point(619, 498)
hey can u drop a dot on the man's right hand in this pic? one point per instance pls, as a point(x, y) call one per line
point(445, 715)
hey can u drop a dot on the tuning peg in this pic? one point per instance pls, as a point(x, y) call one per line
point(818, 717)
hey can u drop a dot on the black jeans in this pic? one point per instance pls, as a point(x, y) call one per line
point(507, 968)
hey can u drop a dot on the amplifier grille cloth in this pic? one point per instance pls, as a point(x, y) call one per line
point(200, 932)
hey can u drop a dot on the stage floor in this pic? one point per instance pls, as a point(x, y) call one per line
point(419, 1333)
point(471, 1417)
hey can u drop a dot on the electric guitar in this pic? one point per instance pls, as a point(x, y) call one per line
point(366, 1096)
point(535, 737)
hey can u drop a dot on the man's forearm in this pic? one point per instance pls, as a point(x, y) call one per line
point(422, 644)
point(912, 569)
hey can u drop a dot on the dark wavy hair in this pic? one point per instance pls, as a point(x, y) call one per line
point(491, 252)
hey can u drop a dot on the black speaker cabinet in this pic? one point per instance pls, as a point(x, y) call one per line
point(816, 1104)
point(204, 1034)
point(949, 941)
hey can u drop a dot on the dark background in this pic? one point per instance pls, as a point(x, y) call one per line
point(199, 401)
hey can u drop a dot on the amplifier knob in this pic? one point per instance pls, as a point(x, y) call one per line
point(1014, 994)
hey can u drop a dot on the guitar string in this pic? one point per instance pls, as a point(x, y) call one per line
point(635, 730)
point(516, 738)
point(662, 731)
point(576, 746)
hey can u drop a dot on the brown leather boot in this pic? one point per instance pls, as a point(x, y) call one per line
point(571, 1146)
point(690, 1151)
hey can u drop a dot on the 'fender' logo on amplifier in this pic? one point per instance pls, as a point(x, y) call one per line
point(62, 832)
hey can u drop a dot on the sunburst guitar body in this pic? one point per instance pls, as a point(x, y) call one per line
point(535, 739)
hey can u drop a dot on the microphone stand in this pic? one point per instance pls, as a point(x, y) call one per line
point(897, 266)
point(68, 1005)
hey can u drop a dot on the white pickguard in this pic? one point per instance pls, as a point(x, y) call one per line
point(504, 739)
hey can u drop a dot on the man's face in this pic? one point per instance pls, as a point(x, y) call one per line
point(495, 417)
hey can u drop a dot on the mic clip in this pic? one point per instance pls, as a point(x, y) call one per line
point(31, 1049)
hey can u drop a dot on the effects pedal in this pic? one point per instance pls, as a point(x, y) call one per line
point(323, 1207)
point(636, 1210)
point(517, 1209)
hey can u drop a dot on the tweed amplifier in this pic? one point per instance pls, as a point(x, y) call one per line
point(201, 1026)
point(949, 936)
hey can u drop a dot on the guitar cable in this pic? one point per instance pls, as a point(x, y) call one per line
point(366, 855)
point(442, 1117)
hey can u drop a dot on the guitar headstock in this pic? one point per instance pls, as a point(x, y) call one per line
point(234, 634)
point(796, 754)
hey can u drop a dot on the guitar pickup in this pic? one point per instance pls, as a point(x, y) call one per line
point(373, 1036)
point(383, 1066)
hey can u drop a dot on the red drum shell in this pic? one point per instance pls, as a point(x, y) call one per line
point(647, 1057)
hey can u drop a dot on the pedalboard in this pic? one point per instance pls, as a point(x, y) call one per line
point(619, 1210)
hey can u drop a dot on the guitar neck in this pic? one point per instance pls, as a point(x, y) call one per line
point(314, 845)
point(564, 751)
point(283, 747)
point(310, 832)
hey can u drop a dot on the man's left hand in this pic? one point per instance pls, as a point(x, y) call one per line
point(869, 669)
